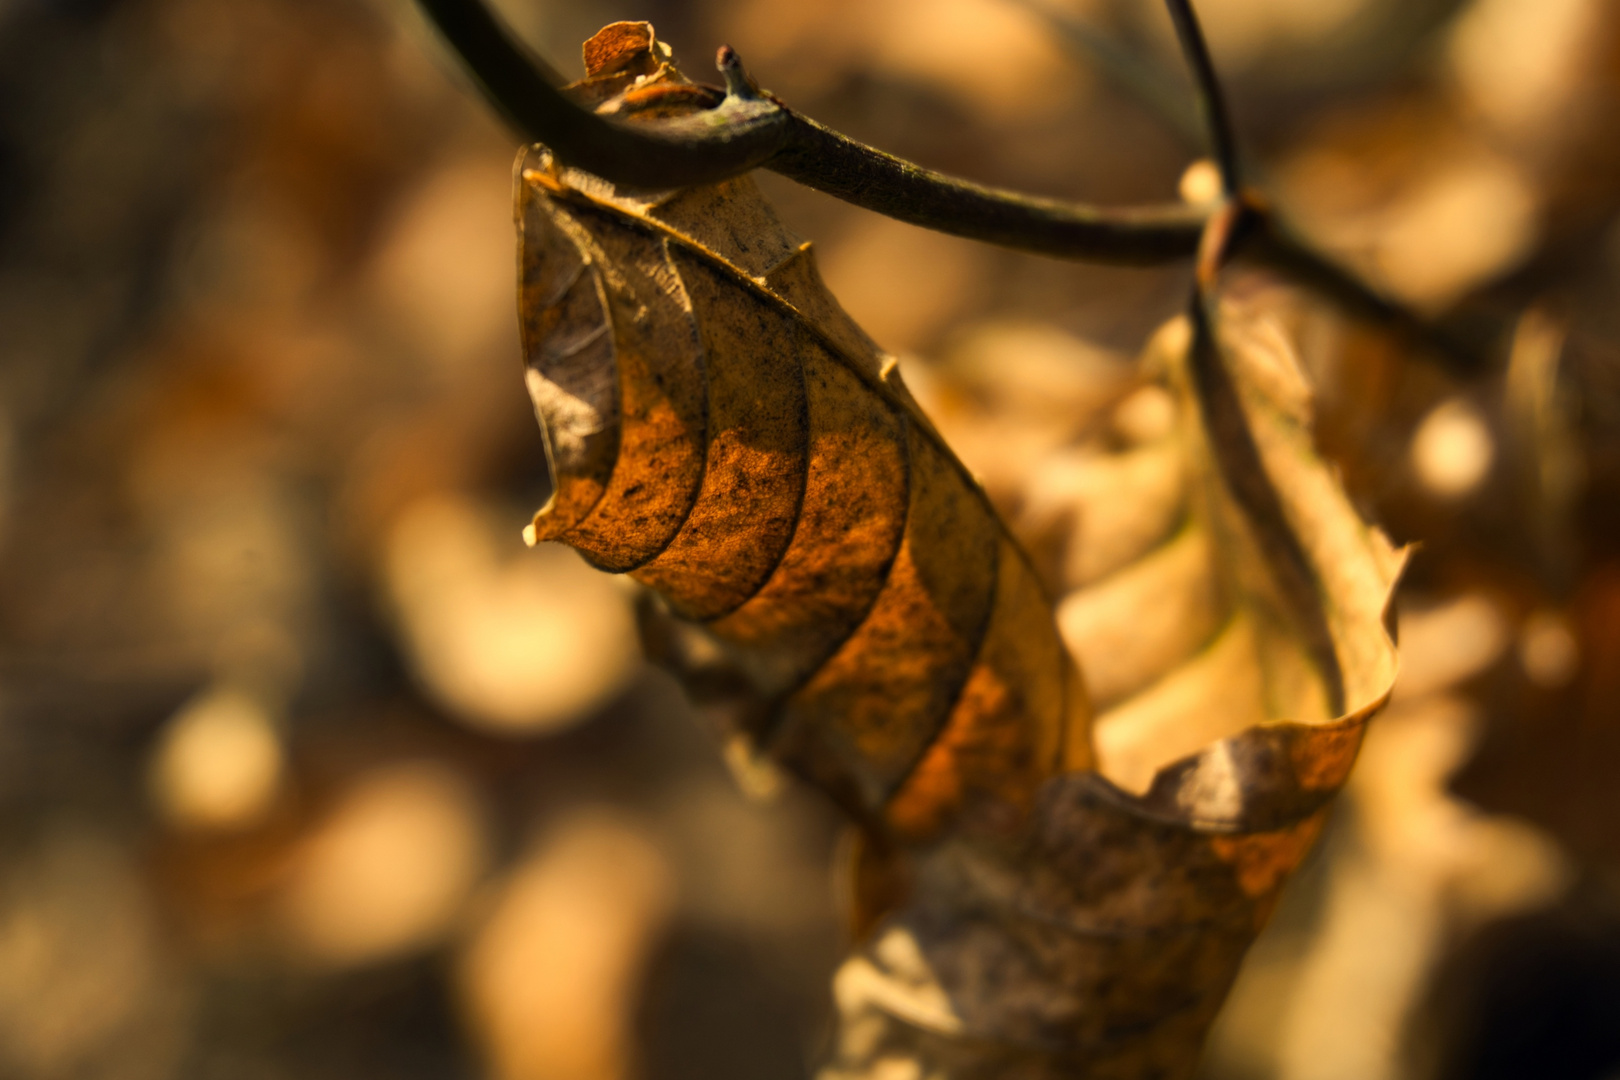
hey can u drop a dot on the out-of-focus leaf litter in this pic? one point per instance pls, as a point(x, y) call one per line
point(256, 322)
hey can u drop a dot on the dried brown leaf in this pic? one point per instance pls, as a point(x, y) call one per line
point(720, 430)
point(835, 584)
point(1102, 940)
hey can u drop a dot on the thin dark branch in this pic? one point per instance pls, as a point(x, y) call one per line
point(1211, 101)
point(820, 158)
point(1275, 247)
point(751, 130)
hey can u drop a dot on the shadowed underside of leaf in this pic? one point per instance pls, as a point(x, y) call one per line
point(721, 431)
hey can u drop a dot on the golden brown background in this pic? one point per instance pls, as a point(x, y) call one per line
point(308, 768)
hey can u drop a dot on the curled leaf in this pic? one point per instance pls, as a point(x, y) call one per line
point(721, 431)
point(833, 582)
point(1237, 650)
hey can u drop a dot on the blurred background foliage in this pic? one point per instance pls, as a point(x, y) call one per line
point(308, 768)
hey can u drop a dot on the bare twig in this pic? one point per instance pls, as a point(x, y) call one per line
point(1211, 101)
point(827, 161)
point(1245, 226)
point(1276, 247)
point(751, 130)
